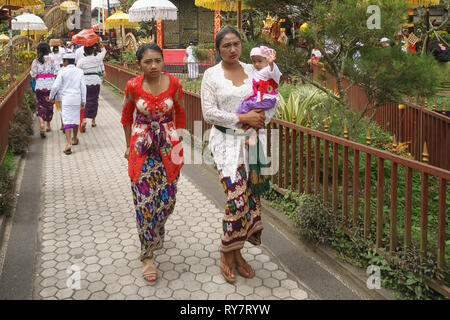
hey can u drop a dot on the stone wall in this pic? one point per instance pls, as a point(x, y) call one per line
point(194, 23)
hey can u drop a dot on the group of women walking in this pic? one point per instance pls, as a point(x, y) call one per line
point(45, 70)
point(154, 160)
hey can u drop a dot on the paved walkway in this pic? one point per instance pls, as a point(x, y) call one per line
point(87, 232)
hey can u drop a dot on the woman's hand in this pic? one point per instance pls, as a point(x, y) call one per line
point(255, 118)
point(127, 153)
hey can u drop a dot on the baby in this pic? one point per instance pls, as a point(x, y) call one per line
point(265, 87)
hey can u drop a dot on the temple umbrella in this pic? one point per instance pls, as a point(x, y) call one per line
point(225, 5)
point(423, 3)
point(28, 4)
point(69, 6)
point(4, 38)
point(120, 20)
point(102, 5)
point(149, 10)
point(153, 10)
point(28, 22)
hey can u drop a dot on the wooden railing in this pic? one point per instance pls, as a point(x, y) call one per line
point(361, 183)
point(11, 99)
point(409, 122)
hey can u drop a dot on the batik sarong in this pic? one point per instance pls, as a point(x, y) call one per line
point(44, 107)
point(242, 219)
point(154, 200)
point(91, 108)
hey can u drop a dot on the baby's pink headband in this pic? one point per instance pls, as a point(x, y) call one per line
point(262, 51)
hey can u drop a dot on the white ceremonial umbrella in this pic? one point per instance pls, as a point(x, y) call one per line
point(103, 4)
point(149, 10)
point(28, 22)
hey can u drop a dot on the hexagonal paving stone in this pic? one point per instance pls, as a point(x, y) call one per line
point(99, 296)
point(279, 275)
point(81, 294)
point(234, 296)
point(210, 287)
point(48, 292)
point(130, 289)
point(271, 283)
point(199, 295)
point(181, 295)
point(113, 288)
point(281, 292)
point(289, 284)
point(198, 268)
point(64, 294)
point(125, 280)
point(164, 293)
point(203, 278)
point(146, 292)
point(244, 289)
point(171, 275)
point(263, 292)
point(299, 294)
point(96, 286)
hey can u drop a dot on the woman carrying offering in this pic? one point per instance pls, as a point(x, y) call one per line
point(153, 161)
point(92, 66)
point(224, 87)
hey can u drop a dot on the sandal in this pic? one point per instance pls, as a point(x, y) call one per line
point(43, 135)
point(149, 271)
point(226, 271)
point(67, 151)
point(75, 143)
point(245, 270)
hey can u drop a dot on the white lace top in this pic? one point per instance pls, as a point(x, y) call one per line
point(92, 65)
point(49, 66)
point(220, 99)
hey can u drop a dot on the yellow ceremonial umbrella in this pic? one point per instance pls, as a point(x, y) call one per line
point(423, 3)
point(120, 20)
point(225, 5)
point(68, 6)
point(4, 38)
point(29, 4)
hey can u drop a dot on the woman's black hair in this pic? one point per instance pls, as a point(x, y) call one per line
point(148, 46)
point(43, 49)
point(222, 33)
point(88, 50)
point(262, 44)
point(70, 61)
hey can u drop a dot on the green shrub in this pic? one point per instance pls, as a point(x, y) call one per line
point(315, 221)
point(20, 130)
point(6, 190)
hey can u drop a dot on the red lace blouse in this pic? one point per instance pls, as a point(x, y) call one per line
point(147, 104)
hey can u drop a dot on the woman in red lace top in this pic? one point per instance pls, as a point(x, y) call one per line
point(154, 159)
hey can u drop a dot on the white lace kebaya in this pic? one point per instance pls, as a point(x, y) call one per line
point(220, 99)
point(48, 67)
